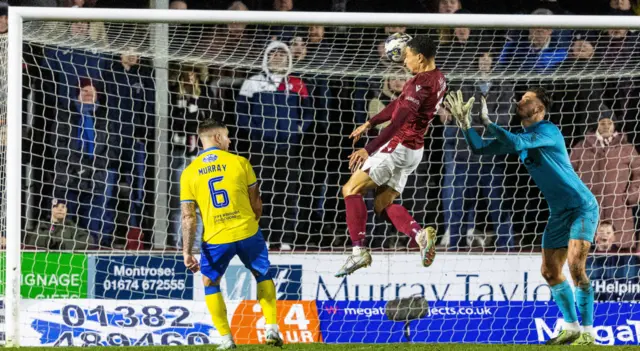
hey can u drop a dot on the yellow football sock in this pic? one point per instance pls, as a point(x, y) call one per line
point(218, 310)
point(267, 299)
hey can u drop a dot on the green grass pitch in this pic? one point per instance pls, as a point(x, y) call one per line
point(345, 347)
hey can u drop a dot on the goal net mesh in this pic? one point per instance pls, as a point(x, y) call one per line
point(110, 112)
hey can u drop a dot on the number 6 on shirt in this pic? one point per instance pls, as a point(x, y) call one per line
point(215, 193)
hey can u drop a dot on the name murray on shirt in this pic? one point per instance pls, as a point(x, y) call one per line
point(212, 169)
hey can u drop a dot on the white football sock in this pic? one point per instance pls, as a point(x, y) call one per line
point(271, 327)
point(575, 326)
point(357, 250)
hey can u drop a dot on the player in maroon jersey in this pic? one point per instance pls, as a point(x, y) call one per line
point(386, 162)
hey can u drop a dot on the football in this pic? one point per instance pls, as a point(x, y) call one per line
point(394, 46)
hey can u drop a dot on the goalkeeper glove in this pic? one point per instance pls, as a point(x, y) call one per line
point(484, 113)
point(460, 110)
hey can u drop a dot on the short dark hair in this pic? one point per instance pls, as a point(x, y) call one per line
point(543, 96)
point(607, 222)
point(424, 45)
point(210, 124)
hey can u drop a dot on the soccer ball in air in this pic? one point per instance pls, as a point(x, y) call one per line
point(394, 46)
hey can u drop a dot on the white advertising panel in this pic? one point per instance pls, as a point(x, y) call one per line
point(452, 277)
point(90, 322)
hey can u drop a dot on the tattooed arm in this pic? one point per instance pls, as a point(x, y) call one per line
point(256, 201)
point(189, 234)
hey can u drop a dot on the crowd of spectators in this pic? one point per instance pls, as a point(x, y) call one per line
point(91, 131)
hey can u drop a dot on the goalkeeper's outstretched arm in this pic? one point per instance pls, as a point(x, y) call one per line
point(481, 146)
point(518, 142)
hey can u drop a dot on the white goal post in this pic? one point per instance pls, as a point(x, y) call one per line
point(18, 16)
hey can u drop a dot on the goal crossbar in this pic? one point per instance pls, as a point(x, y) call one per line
point(325, 18)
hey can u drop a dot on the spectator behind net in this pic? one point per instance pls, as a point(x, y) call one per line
point(610, 166)
point(69, 64)
point(190, 103)
point(620, 7)
point(605, 237)
point(85, 174)
point(459, 49)
point(231, 41)
point(60, 232)
point(391, 88)
point(310, 46)
point(541, 51)
point(469, 178)
point(445, 35)
point(580, 97)
point(277, 32)
point(131, 106)
point(274, 111)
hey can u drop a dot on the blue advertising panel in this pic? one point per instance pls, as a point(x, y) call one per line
point(497, 322)
point(614, 278)
point(142, 277)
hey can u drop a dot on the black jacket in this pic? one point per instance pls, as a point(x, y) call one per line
point(71, 164)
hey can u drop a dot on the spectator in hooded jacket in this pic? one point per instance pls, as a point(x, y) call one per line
point(131, 105)
point(60, 232)
point(311, 48)
point(274, 111)
point(610, 166)
point(85, 174)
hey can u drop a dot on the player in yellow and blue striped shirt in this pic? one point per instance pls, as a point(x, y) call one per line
point(224, 188)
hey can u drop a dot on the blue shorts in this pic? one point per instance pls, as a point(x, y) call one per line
point(252, 251)
point(577, 223)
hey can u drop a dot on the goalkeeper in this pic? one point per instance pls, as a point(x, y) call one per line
point(224, 187)
point(573, 209)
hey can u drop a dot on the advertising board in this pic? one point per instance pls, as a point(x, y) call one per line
point(91, 322)
point(496, 322)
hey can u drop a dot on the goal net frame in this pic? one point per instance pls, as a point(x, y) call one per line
point(18, 15)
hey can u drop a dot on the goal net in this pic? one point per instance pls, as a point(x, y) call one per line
point(109, 116)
